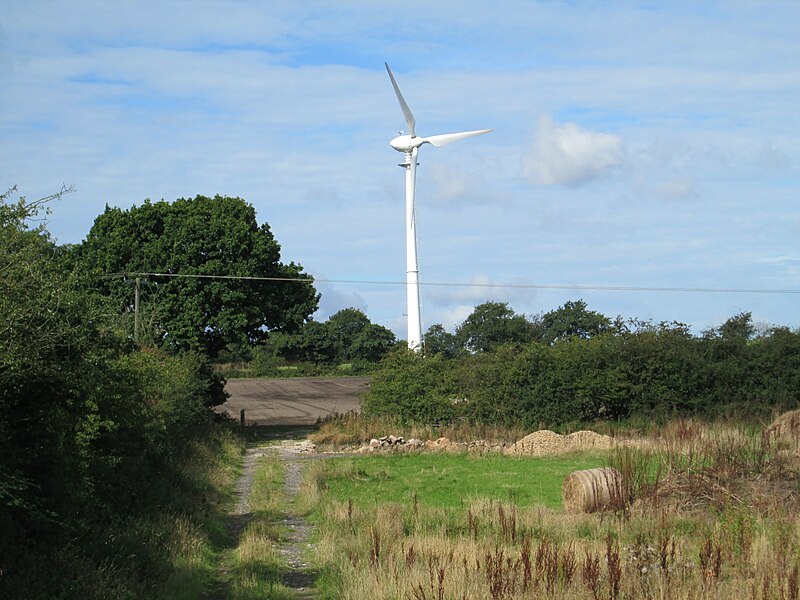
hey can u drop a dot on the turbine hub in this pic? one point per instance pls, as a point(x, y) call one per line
point(406, 143)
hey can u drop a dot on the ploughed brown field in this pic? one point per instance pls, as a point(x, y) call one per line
point(293, 401)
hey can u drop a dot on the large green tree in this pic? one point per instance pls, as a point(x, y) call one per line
point(198, 236)
point(346, 336)
point(574, 319)
point(437, 340)
point(492, 324)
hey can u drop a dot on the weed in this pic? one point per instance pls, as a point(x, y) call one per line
point(472, 524)
point(710, 562)
point(590, 573)
point(501, 574)
point(525, 561)
point(375, 548)
point(508, 522)
point(569, 564)
point(614, 567)
point(792, 585)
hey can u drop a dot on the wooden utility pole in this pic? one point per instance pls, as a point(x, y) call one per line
point(136, 312)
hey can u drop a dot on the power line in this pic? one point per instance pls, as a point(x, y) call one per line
point(531, 286)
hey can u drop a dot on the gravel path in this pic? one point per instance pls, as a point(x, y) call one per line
point(299, 576)
point(237, 520)
point(240, 515)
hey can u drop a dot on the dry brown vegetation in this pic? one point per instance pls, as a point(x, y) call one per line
point(714, 515)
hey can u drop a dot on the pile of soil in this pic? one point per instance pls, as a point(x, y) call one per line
point(545, 442)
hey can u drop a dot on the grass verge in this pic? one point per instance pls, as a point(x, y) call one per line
point(173, 554)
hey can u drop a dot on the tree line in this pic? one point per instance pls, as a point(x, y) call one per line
point(573, 366)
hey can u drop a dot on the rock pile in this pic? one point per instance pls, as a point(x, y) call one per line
point(293, 447)
point(539, 443)
point(443, 444)
point(390, 442)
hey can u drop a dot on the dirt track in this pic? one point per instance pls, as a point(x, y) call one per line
point(293, 401)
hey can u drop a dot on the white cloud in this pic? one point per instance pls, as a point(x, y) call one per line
point(568, 155)
point(449, 184)
point(335, 299)
point(453, 317)
point(480, 289)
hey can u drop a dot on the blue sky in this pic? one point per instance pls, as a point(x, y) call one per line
point(639, 144)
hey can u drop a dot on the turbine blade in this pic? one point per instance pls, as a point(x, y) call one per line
point(409, 116)
point(449, 138)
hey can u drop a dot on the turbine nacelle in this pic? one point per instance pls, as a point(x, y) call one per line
point(406, 143)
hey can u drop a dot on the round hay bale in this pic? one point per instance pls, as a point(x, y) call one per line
point(784, 432)
point(592, 490)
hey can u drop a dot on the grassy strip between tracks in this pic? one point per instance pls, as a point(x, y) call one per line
point(253, 569)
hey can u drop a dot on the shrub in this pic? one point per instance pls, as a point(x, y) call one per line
point(412, 387)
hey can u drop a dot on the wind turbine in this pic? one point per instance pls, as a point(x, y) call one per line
point(409, 143)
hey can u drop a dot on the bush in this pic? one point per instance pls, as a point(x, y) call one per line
point(412, 387)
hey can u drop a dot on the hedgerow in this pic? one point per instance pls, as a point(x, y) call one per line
point(96, 432)
point(648, 373)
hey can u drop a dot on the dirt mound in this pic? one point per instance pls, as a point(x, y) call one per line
point(784, 433)
point(544, 442)
point(583, 440)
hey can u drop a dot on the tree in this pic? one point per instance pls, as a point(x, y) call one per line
point(437, 340)
point(573, 319)
point(373, 343)
point(346, 336)
point(46, 363)
point(492, 324)
point(344, 327)
point(197, 237)
point(86, 417)
point(412, 387)
point(313, 343)
point(738, 328)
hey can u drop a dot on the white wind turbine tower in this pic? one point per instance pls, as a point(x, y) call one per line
point(409, 143)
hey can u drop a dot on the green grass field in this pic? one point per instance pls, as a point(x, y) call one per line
point(450, 480)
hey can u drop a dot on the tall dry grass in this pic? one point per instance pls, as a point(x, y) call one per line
point(709, 521)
